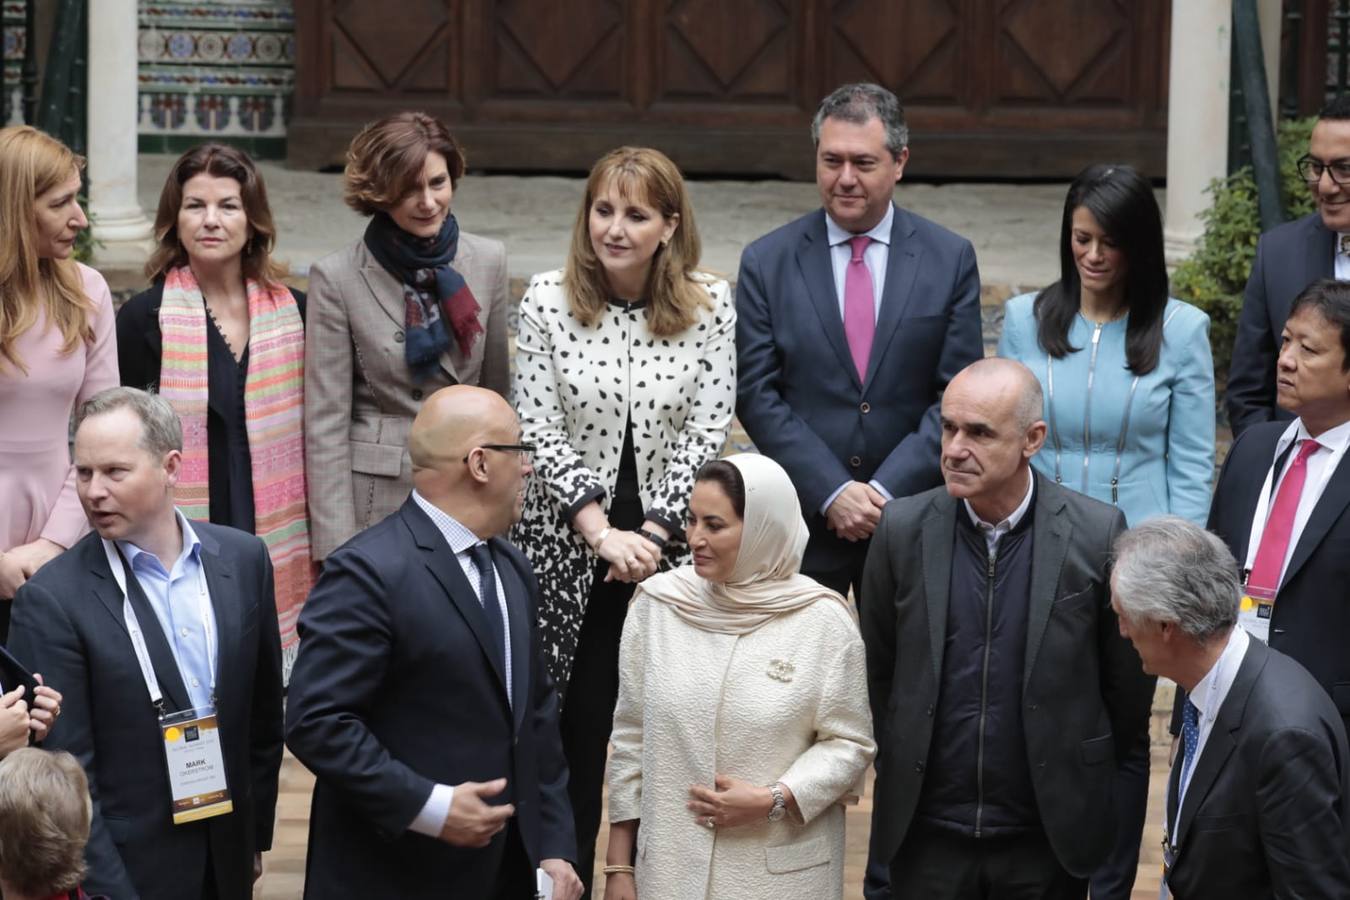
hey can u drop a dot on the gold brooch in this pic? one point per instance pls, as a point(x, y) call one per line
point(780, 670)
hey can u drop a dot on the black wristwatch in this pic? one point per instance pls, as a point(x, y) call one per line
point(655, 538)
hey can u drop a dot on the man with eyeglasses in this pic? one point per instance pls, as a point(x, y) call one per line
point(1288, 259)
point(420, 698)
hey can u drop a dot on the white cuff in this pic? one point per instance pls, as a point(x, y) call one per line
point(431, 820)
point(881, 489)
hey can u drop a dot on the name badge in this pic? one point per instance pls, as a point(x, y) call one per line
point(196, 765)
point(1255, 612)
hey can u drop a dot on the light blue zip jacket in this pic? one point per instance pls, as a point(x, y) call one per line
point(1166, 461)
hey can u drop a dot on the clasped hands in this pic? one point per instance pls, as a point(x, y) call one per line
point(730, 802)
point(631, 556)
point(18, 717)
point(856, 512)
point(473, 822)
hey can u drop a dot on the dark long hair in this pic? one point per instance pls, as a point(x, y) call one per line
point(1122, 202)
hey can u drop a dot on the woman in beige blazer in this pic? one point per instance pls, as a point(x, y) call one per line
point(742, 723)
point(413, 306)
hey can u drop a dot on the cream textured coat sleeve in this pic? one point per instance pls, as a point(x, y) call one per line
point(625, 761)
point(829, 769)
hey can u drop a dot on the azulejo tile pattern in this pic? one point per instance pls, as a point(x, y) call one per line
point(11, 104)
point(220, 69)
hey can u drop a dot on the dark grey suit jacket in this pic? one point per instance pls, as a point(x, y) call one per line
point(1288, 259)
point(1265, 811)
point(1085, 697)
point(68, 625)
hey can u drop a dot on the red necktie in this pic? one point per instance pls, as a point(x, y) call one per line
point(860, 321)
point(1269, 564)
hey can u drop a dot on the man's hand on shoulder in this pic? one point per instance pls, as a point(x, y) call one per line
point(471, 822)
point(856, 512)
point(566, 884)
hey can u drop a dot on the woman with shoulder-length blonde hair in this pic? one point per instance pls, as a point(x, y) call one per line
point(625, 384)
point(57, 349)
point(223, 340)
point(411, 306)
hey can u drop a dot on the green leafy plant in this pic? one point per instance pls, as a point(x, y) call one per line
point(85, 243)
point(1214, 277)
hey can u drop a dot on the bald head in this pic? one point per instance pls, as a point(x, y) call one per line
point(455, 419)
point(1010, 381)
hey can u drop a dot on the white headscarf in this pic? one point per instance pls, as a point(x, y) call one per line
point(765, 582)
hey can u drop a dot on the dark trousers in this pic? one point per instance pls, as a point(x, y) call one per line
point(588, 712)
point(1114, 879)
point(937, 865)
point(515, 875)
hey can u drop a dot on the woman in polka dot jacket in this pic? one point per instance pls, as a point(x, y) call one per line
point(626, 382)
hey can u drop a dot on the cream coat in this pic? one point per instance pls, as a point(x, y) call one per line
point(787, 702)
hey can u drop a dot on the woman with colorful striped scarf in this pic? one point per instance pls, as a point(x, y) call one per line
point(222, 339)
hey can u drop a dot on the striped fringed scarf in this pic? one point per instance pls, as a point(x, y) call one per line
point(274, 417)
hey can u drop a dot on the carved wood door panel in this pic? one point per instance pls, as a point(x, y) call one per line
point(992, 88)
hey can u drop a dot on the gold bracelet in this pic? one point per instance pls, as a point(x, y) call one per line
point(618, 870)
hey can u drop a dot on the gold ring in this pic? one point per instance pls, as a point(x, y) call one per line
point(710, 823)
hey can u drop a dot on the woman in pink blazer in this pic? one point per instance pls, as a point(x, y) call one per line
point(57, 349)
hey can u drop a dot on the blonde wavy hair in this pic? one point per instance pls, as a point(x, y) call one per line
point(674, 292)
point(32, 163)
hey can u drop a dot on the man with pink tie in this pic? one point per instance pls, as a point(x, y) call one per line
point(1282, 501)
point(851, 321)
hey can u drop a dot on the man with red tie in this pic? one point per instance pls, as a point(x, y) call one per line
point(1282, 504)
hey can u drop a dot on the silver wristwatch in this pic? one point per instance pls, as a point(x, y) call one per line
point(779, 802)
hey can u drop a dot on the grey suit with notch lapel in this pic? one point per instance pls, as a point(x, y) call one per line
point(68, 624)
point(1265, 811)
point(1085, 698)
point(360, 398)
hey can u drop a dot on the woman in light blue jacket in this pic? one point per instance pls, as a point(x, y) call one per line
point(1129, 396)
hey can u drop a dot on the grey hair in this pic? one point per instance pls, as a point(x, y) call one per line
point(859, 103)
point(1172, 570)
point(160, 429)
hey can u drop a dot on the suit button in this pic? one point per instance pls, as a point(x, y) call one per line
point(417, 393)
point(855, 461)
point(930, 710)
point(1033, 707)
point(398, 337)
point(865, 408)
point(918, 767)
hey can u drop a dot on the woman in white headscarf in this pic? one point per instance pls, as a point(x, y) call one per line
point(742, 725)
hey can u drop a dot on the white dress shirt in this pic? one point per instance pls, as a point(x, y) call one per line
point(993, 532)
point(1341, 268)
point(432, 817)
point(1321, 465)
point(875, 257)
point(1208, 696)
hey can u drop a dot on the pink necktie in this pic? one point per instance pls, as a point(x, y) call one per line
point(1269, 564)
point(859, 310)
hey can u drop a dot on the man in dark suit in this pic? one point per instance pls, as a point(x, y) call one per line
point(1003, 696)
point(851, 321)
point(1288, 259)
point(200, 598)
point(1282, 502)
point(420, 697)
point(1256, 803)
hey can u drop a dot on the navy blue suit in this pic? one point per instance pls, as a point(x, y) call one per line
point(1288, 259)
point(395, 690)
point(799, 396)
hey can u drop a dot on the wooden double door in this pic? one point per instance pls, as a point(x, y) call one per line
point(992, 88)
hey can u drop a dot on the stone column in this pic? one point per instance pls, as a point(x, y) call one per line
point(1197, 115)
point(118, 222)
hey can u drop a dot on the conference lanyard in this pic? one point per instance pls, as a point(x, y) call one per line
point(118, 565)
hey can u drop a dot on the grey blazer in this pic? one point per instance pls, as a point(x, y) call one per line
point(1085, 697)
point(360, 398)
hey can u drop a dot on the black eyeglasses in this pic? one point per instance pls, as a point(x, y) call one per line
point(525, 450)
point(1310, 168)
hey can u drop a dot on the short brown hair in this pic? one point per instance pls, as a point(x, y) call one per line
point(219, 161)
point(44, 821)
point(384, 161)
point(674, 294)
